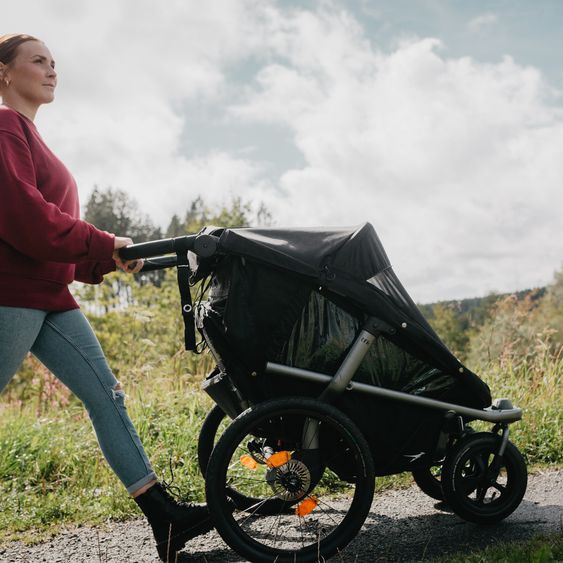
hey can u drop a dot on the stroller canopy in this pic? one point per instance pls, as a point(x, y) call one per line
point(351, 263)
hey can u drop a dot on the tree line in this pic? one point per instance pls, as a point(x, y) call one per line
point(113, 210)
point(517, 327)
point(511, 326)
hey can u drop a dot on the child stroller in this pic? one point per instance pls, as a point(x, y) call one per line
point(331, 377)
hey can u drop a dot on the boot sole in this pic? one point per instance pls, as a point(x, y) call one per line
point(168, 548)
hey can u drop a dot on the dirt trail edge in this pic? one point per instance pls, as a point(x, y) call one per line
point(403, 525)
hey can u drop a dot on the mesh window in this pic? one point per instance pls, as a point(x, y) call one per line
point(322, 336)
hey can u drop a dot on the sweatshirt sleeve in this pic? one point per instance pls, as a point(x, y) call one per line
point(34, 226)
point(93, 272)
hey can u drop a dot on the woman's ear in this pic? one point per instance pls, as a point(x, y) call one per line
point(4, 80)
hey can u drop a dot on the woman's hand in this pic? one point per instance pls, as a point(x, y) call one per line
point(129, 266)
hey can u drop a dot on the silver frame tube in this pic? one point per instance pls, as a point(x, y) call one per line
point(351, 363)
point(488, 414)
point(504, 442)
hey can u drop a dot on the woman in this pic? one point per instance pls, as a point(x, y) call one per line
point(43, 247)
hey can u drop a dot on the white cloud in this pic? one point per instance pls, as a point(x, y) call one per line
point(452, 160)
point(125, 70)
point(482, 21)
point(455, 162)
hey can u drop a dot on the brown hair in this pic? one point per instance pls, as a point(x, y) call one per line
point(9, 45)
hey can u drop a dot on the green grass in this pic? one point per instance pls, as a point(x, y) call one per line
point(537, 388)
point(543, 549)
point(52, 472)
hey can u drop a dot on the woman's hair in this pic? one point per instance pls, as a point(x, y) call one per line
point(9, 45)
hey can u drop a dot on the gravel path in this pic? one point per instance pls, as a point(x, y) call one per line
point(403, 525)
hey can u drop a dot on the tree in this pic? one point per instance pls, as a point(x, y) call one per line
point(113, 210)
point(175, 228)
point(236, 213)
point(450, 328)
point(550, 309)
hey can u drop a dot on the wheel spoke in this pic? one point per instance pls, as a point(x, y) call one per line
point(482, 463)
point(481, 492)
point(247, 479)
point(327, 513)
point(500, 488)
point(287, 516)
point(275, 525)
point(255, 508)
point(469, 484)
point(301, 532)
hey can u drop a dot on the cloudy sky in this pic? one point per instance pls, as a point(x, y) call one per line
point(438, 121)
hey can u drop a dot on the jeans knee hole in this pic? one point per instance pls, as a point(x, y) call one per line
point(117, 392)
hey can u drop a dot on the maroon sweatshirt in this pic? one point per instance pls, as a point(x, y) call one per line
point(44, 245)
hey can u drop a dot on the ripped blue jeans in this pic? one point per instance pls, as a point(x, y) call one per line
point(65, 343)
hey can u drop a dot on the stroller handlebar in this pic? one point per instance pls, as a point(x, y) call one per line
point(156, 247)
point(160, 263)
point(203, 245)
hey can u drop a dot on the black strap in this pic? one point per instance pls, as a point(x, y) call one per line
point(184, 273)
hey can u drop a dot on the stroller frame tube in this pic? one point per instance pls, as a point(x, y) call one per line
point(351, 363)
point(488, 414)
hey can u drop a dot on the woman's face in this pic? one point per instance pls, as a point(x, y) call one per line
point(31, 75)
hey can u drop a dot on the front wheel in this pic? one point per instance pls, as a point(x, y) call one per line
point(478, 484)
point(307, 455)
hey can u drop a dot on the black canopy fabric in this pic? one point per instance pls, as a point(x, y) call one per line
point(351, 263)
point(312, 252)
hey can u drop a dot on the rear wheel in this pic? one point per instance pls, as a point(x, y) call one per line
point(478, 484)
point(306, 455)
point(208, 436)
point(429, 480)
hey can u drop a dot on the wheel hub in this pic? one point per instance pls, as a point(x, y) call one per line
point(289, 481)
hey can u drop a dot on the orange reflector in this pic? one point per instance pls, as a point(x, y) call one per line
point(306, 506)
point(248, 462)
point(277, 459)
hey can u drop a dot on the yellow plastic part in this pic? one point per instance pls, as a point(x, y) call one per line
point(306, 506)
point(278, 459)
point(248, 461)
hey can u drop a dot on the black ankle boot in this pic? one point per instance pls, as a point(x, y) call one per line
point(173, 523)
